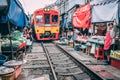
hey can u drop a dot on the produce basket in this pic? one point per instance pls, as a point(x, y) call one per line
point(3, 59)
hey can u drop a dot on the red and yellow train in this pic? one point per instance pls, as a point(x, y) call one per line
point(46, 24)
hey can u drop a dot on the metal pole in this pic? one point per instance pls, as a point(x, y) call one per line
point(10, 40)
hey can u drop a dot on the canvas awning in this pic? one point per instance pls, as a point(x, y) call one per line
point(81, 17)
point(15, 14)
point(105, 11)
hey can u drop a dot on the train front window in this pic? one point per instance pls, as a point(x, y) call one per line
point(54, 18)
point(39, 18)
point(47, 18)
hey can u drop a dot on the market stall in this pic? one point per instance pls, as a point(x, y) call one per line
point(82, 40)
point(100, 18)
point(18, 44)
point(12, 18)
point(81, 21)
point(96, 41)
point(13, 44)
point(115, 58)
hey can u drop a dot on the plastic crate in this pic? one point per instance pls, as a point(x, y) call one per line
point(115, 63)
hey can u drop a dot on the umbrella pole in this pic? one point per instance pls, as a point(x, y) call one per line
point(11, 48)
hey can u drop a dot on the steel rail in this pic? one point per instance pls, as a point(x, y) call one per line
point(49, 61)
point(93, 75)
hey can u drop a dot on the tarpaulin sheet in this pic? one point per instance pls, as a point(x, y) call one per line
point(15, 14)
point(81, 17)
point(105, 12)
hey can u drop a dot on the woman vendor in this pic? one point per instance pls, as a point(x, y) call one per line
point(109, 41)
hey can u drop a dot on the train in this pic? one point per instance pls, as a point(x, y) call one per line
point(46, 24)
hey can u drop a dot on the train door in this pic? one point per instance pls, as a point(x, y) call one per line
point(47, 28)
point(47, 18)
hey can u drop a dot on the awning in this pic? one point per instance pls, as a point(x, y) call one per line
point(105, 11)
point(81, 17)
point(15, 14)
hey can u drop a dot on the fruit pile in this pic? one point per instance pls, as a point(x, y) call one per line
point(16, 40)
point(115, 54)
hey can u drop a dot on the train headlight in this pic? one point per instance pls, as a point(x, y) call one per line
point(46, 9)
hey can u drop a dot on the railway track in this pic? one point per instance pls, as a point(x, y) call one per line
point(63, 68)
point(37, 64)
point(52, 61)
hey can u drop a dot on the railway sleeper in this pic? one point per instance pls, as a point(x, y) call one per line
point(68, 74)
point(37, 66)
point(54, 51)
point(82, 76)
point(65, 65)
point(60, 59)
point(58, 56)
point(73, 70)
point(70, 67)
point(56, 62)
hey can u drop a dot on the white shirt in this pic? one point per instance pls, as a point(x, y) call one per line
point(112, 35)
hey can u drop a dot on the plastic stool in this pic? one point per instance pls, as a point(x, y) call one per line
point(99, 53)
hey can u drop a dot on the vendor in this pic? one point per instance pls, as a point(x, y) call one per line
point(76, 33)
point(90, 31)
point(26, 32)
point(109, 41)
point(30, 34)
point(69, 35)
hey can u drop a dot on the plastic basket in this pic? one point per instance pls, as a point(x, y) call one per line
point(77, 48)
point(3, 59)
